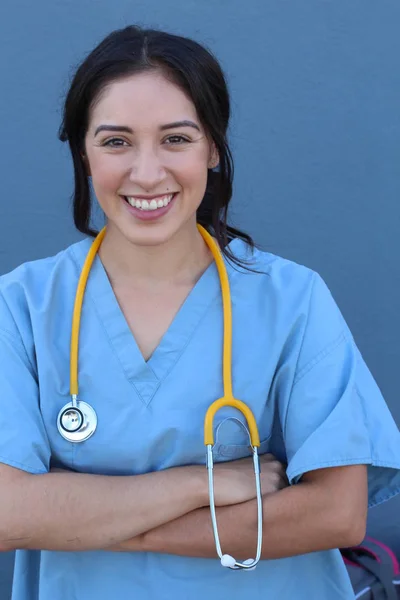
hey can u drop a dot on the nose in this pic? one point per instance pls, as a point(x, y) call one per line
point(146, 171)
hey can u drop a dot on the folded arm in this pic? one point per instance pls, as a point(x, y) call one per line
point(75, 511)
point(78, 511)
point(327, 509)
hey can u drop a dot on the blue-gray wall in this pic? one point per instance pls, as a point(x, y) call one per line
point(315, 133)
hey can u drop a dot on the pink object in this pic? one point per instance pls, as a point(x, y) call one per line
point(389, 552)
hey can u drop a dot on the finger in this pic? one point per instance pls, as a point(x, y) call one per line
point(280, 467)
point(283, 481)
point(277, 467)
point(267, 458)
point(273, 466)
point(271, 483)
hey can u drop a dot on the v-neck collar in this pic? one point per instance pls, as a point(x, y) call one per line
point(146, 377)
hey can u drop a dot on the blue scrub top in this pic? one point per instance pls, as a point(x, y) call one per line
point(295, 363)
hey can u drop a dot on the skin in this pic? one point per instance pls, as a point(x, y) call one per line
point(100, 511)
point(328, 509)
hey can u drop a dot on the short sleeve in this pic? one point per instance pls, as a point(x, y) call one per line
point(23, 440)
point(335, 414)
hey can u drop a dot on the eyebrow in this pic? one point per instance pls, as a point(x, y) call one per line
point(179, 124)
point(125, 129)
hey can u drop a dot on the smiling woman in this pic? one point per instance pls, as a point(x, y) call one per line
point(108, 482)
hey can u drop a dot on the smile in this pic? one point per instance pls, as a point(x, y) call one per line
point(149, 205)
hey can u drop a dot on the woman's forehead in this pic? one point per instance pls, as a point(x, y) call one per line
point(142, 99)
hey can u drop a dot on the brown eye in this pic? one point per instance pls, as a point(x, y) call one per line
point(176, 140)
point(115, 143)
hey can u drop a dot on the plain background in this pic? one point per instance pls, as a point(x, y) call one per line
point(315, 133)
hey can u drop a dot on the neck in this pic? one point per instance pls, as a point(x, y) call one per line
point(180, 260)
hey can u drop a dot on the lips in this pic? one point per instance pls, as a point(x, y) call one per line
point(149, 204)
point(147, 209)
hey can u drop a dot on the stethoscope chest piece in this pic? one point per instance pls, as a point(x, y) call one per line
point(76, 422)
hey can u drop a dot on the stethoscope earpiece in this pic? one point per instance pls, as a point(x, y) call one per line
point(228, 561)
point(231, 563)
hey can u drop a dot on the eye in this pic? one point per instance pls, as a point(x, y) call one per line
point(114, 143)
point(176, 140)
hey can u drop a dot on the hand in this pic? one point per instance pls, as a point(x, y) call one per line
point(273, 474)
point(234, 480)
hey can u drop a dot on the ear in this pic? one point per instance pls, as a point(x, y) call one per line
point(214, 158)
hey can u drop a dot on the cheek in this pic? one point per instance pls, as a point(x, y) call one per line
point(106, 176)
point(191, 172)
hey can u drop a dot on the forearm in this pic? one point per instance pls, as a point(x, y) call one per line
point(192, 534)
point(296, 521)
point(73, 511)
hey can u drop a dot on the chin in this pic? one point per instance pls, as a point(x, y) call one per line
point(151, 234)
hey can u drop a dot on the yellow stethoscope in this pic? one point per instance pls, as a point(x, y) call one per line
point(77, 420)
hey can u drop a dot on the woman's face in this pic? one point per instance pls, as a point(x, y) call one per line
point(148, 157)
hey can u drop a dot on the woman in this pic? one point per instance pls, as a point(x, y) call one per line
point(125, 512)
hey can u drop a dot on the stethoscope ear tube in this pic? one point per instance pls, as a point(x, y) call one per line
point(229, 400)
point(226, 559)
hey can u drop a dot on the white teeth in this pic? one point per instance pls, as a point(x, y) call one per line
point(150, 205)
